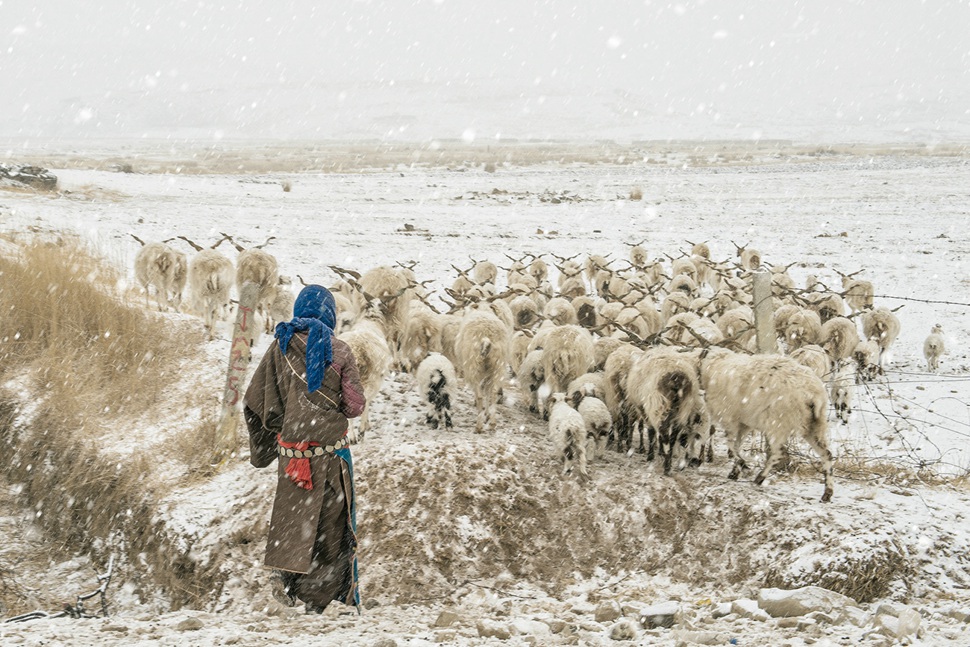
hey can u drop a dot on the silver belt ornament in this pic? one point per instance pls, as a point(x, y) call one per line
point(313, 451)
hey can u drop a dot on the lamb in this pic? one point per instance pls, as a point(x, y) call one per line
point(934, 348)
point(664, 390)
point(568, 432)
point(368, 343)
point(866, 356)
point(436, 382)
point(211, 276)
point(162, 267)
point(483, 348)
point(255, 265)
point(842, 391)
point(567, 354)
point(768, 393)
point(599, 422)
point(881, 325)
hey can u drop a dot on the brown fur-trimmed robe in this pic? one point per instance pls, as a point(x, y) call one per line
point(310, 531)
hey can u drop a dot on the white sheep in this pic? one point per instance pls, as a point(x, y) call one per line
point(602, 348)
point(858, 294)
point(483, 352)
point(368, 342)
point(525, 312)
point(815, 358)
point(567, 429)
point(587, 384)
point(390, 286)
point(560, 311)
point(436, 382)
point(934, 348)
point(211, 277)
point(882, 326)
point(804, 328)
point(567, 354)
point(768, 393)
point(162, 267)
point(280, 302)
point(599, 422)
point(842, 390)
point(421, 336)
point(518, 349)
point(616, 372)
point(485, 272)
point(664, 390)
point(866, 356)
point(839, 337)
point(259, 267)
point(531, 376)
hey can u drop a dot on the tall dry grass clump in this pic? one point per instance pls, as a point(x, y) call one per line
point(64, 319)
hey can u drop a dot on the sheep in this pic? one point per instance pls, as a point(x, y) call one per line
point(346, 311)
point(768, 393)
point(616, 372)
point(782, 316)
point(525, 312)
point(839, 337)
point(561, 312)
point(630, 321)
point(858, 294)
point(484, 272)
point(638, 256)
point(518, 349)
point(602, 348)
point(531, 375)
point(664, 390)
point(390, 287)
point(567, 354)
point(842, 390)
point(866, 356)
point(750, 258)
point(815, 358)
point(674, 304)
point(934, 348)
point(881, 325)
point(259, 267)
point(586, 312)
point(538, 269)
point(436, 382)
point(280, 302)
point(211, 277)
point(804, 327)
point(828, 306)
point(737, 324)
point(368, 343)
point(587, 384)
point(568, 269)
point(162, 267)
point(450, 325)
point(685, 267)
point(700, 249)
point(599, 422)
point(422, 335)
point(483, 349)
point(567, 429)
point(572, 287)
point(682, 283)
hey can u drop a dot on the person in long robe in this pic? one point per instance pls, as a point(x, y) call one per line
point(296, 407)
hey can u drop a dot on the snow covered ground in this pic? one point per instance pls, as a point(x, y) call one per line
point(517, 550)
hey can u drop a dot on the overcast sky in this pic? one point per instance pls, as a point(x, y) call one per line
point(447, 68)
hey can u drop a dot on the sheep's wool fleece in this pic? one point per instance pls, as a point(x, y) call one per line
point(304, 522)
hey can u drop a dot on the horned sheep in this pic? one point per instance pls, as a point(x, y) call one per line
point(768, 393)
point(882, 326)
point(259, 267)
point(211, 277)
point(368, 343)
point(599, 422)
point(934, 348)
point(162, 267)
point(483, 351)
point(567, 354)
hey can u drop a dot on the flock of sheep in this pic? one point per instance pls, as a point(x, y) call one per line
point(662, 351)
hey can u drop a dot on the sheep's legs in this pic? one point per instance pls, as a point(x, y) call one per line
point(734, 449)
point(774, 453)
point(821, 448)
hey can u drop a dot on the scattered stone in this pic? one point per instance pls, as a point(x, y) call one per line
point(660, 615)
point(445, 636)
point(780, 603)
point(371, 603)
point(787, 623)
point(527, 627)
point(623, 630)
point(384, 642)
point(607, 612)
point(824, 618)
point(189, 624)
point(855, 615)
point(682, 637)
point(959, 615)
point(493, 630)
point(746, 608)
point(446, 618)
point(721, 610)
point(121, 629)
point(556, 626)
point(34, 176)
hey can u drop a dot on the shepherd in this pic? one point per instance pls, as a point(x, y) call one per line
point(296, 407)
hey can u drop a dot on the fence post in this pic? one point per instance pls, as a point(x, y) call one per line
point(227, 439)
point(764, 312)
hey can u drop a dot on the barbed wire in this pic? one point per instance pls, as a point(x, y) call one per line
point(948, 303)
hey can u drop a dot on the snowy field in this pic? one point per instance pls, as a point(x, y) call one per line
point(899, 216)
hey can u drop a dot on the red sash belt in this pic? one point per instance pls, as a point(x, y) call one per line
point(298, 469)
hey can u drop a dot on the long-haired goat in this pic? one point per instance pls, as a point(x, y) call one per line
point(162, 267)
point(211, 277)
point(568, 432)
point(483, 352)
point(934, 348)
point(768, 393)
point(882, 326)
point(368, 343)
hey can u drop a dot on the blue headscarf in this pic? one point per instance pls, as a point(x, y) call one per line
point(314, 311)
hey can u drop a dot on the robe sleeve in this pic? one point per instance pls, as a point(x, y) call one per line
point(352, 398)
point(263, 409)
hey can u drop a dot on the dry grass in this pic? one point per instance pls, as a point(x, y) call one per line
point(88, 349)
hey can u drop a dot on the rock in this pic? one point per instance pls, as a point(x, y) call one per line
point(607, 612)
point(445, 636)
point(121, 629)
point(556, 626)
point(660, 615)
point(909, 621)
point(384, 642)
point(824, 618)
point(189, 624)
point(623, 630)
point(371, 603)
point(721, 610)
point(856, 616)
point(682, 637)
point(780, 603)
point(746, 608)
point(787, 623)
point(488, 629)
point(960, 615)
point(527, 627)
point(446, 618)
point(33, 176)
